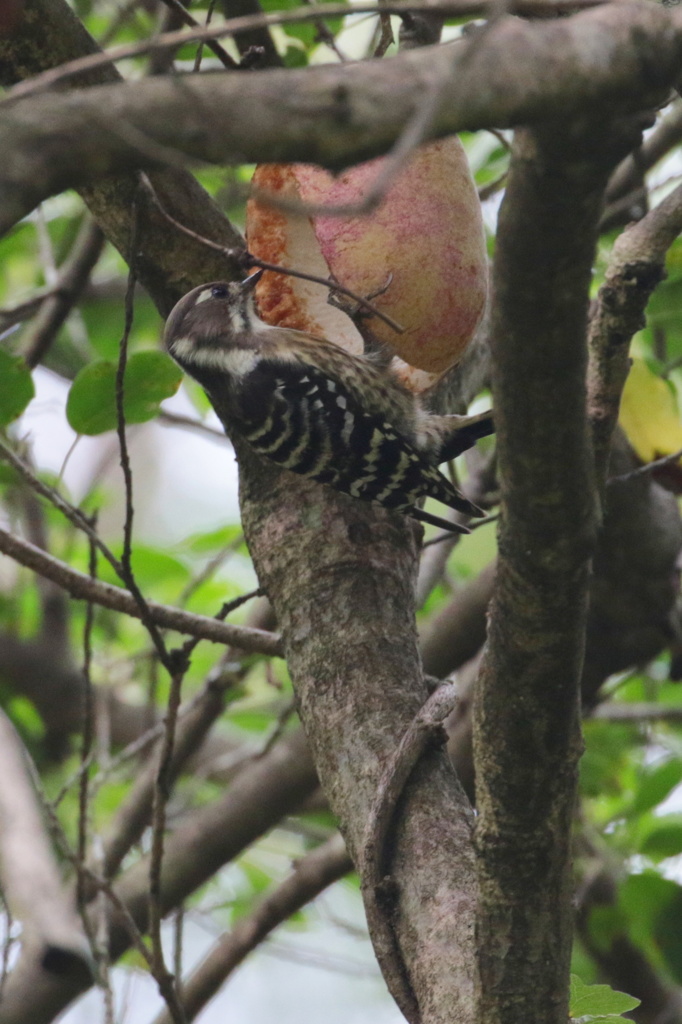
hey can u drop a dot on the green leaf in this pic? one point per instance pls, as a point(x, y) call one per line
point(152, 568)
point(16, 387)
point(149, 378)
point(664, 838)
point(251, 720)
point(258, 879)
point(90, 406)
point(668, 935)
point(656, 784)
point(26, 718)
point(598, 1001)
point(653, 907)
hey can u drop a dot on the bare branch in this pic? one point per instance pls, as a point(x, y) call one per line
point(72, 279)
point(31, 882)
point(311, 875)
point(253, 261)
point(628, 175)
point(637, 265)
point(611, 711)
point(235, 26)
point(265, 790)
point(649, 468)
point(172, 419)
point(183, 15)
point(454, 635)
point(346, 117)
point(80, 586)
point(133, 815)
point(527, 743)
point(69, 511)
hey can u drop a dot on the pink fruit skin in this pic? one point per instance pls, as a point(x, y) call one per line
point(427, 233)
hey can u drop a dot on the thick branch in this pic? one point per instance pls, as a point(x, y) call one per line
point(168, 264)
point(336, 115)
point(342, 588)
point(526, 727)
point(628, 175)
point(636, 266)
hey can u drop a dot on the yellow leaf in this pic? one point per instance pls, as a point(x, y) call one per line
point(649, 414)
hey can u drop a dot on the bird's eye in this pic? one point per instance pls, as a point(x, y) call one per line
point(219, 291)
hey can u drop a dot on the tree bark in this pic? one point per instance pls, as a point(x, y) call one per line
point(516, 73)
point(526, 713)
point(341, 578)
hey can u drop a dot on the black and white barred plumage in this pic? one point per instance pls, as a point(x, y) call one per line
point(314, 409)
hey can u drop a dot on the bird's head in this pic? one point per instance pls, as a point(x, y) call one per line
point(212, 319)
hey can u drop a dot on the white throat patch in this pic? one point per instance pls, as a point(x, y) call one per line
point(237, 362)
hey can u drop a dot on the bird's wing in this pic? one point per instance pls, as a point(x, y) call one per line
point(308, 422)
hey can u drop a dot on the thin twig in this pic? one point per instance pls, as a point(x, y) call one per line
point(248, 261)
point(611, 711)
point(636, 267)
point(173, 419)
point(10, 316)
point(212, 567)
point(127, 574)
point(86, 758)
point(92, 878)
point(486, 191)
point(385, 34)
point(100, 909)
point(311, 875)
point(176, 664)
point(325, 35)
point(162, 789)
point(333, 286)
point(198, 56)
point(178, 935)
point(142, 742)
point(629, 174)
point(69, 511)
point(647, 470)
point(183, 14)
point(194, 722)
point(72, 278)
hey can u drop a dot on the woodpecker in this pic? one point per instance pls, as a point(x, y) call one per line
point(309, 406)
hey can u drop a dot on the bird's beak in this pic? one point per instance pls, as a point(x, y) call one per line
point(251, 281)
